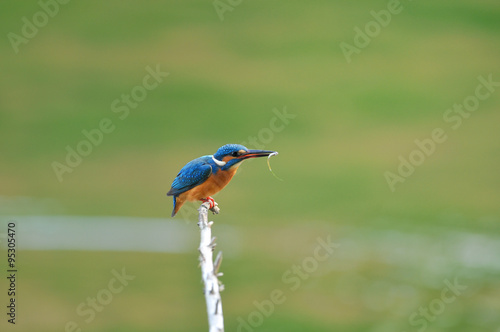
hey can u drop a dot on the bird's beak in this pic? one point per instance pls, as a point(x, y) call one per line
point(255, 154)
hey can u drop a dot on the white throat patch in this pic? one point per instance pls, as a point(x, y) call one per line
point(218, 162)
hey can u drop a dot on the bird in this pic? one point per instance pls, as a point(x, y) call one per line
point(205, 176)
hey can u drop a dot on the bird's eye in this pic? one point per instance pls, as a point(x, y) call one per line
point(235, 154)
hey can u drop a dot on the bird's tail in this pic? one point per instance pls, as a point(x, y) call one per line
point(174, 211)
point(178, 202)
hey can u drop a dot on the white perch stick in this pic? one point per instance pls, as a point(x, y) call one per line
point(208, 273)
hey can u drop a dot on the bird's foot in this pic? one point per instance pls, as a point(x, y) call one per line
point(210, 200)
point(213, 204)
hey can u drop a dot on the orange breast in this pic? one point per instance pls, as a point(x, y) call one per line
point(214, 184)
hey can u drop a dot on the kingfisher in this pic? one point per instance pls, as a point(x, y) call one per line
point(205, 176)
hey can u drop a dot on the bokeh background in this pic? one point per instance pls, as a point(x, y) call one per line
point(397, 252)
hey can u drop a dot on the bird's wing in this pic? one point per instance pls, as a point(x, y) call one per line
point(194, 173)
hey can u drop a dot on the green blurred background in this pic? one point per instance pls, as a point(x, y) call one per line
point(227, 79)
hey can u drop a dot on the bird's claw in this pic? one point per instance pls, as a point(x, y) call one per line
point(212, 204)
point(210, 200)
